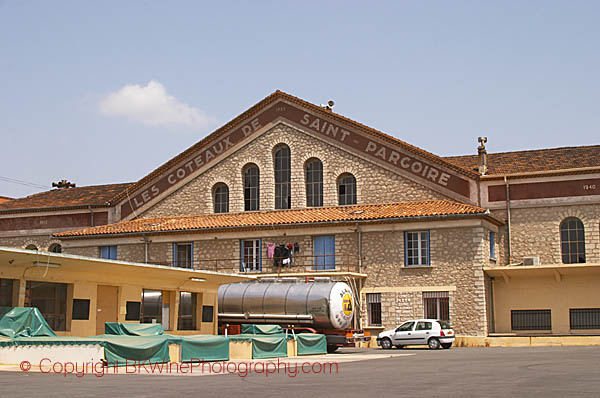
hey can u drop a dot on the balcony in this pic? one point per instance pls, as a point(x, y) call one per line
point(303, 265)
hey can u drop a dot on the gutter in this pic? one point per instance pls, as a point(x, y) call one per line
point(486, 214)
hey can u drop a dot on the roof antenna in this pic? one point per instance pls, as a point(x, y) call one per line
point(328, 106)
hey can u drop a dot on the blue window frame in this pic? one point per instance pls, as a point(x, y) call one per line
point(492, 245)
point(416, 248)
point(324, 252)
point(108, 252)
point(250, 255)
point(183, 255)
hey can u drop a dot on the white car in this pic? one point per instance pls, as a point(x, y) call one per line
point(431, 332)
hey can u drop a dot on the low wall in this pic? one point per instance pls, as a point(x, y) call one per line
point(526, 341)
point(47, 355)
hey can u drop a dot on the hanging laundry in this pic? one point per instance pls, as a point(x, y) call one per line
point(277, 255)
point(270, 249)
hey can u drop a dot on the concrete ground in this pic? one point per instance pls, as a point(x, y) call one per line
point(458, 372)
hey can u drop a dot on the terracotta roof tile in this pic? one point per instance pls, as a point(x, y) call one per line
point(95, 195)
point(375, 212)
point(5, 199)
point(538, 160)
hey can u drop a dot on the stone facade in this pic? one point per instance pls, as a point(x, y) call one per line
point(41, 242)
point(535, 231)
point(458, 256)
point(196, 196)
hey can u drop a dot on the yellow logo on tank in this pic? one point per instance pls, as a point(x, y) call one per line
point(347, 304)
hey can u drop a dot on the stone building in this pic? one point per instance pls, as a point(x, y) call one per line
point(495, 243)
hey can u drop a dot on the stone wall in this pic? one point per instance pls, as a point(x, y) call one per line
point(536, 232)
point(196, 196)
point(42, 242)
point(458, 256)
point(90, 251)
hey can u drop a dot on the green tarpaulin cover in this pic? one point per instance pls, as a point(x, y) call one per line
point(23, 322)
point(133, 329)
point(129, 350)
point(261, 329)
point(309, 343)
point(269, 347)
point(204, 348)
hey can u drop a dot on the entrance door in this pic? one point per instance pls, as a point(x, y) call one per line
point(107, 309)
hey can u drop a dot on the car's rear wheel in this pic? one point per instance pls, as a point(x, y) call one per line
point(433, 343)
point(446, 345)
point(386, 343)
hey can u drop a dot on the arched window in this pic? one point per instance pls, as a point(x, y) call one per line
point(314, 183)
point(251, 187)
point(283, 176)
point(31, 247)
point(55, 248)
point(347, 189)
point(221, 198)
point(572, 241)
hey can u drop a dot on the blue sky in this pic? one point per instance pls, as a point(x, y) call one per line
point(104, 92)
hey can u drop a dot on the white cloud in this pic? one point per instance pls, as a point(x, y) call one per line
point(153, 106)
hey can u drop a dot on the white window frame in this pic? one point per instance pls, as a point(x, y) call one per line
point(420, 242)
point(256, 264)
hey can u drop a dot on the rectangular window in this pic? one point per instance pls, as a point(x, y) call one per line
point(208, 313)
point(250, 255)
point(183, 254)
point(531, 319)
point(436, 305)
point(585, 318)
point(133, 310)
point(51, 300)
point(324, 252)
point(416, 248)
point(187, 311)
point(6, 292)
point(151, 306)
point(81, 309)
point(492, 245)
point(108, 252)
point(374, 308)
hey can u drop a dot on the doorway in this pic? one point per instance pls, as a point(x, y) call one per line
point(107, 308)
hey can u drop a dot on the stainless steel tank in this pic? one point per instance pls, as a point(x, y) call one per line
point(328, 305)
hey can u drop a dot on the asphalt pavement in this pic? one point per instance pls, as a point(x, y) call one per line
point(458, 372)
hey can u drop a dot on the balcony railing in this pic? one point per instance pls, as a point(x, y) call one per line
point(298, 264)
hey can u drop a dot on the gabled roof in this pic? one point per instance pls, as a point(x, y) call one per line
point(279, 218)
point(532, 161)
point(280, 95)
point(65, 198)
